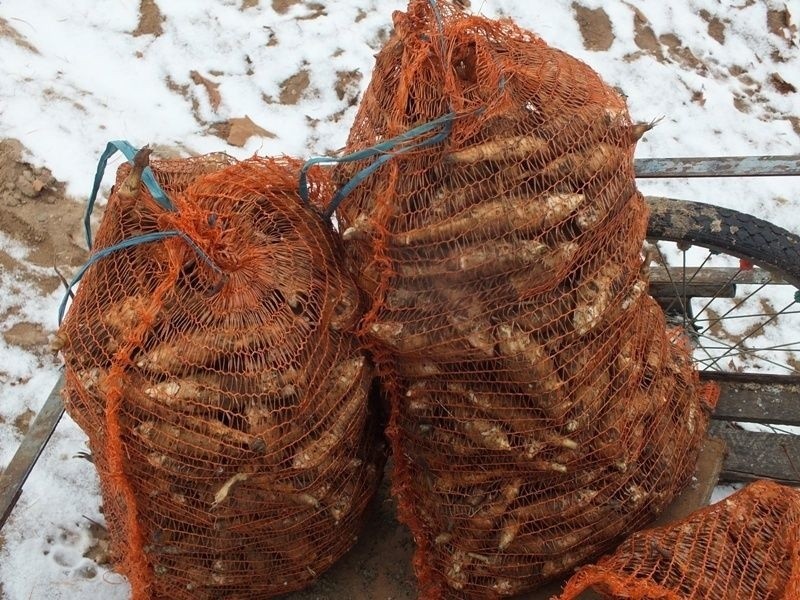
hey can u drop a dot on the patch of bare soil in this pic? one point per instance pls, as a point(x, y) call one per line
point(681, 53)
point(23, 421)
point(595, 27)
point(8, 32)
point(150, 19)
point(317, 10)
point(783, 86)
point(643, 35)
point(292, 89)
point(779, 23)
point(28, 336)
point(211, 87)
point(716, 28)
point(238, 130)
point(35, 211)
point(347, 85)
point(282, 6)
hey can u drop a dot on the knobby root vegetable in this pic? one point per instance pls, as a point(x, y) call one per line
point(528, 360)
point(313, 451)
point(489, 219)
point(501, 149)
point(476, 261)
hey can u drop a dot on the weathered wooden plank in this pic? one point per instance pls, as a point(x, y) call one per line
point(694, 289)
point(767, 403)
point(718, 166)
point(759, 455)
point(713, 275)
point(17, 471)
point(759, 378)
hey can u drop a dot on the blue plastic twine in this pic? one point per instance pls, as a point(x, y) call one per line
point(158, 195)
point(385, 150)
point(148, 179)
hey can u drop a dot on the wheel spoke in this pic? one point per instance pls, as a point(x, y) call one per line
point(759, 328)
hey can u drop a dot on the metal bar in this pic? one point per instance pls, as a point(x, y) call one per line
point(718, 166)
point(17, 471)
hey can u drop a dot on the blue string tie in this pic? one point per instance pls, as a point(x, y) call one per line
point(158, 195)
point(385, 151)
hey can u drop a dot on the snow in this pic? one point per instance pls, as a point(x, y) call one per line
point(91, 80)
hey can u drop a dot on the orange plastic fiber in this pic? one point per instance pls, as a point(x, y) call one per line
point(746, 547)
point(540, 409)
point(224, 393)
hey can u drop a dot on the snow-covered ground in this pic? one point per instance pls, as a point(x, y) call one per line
point(183, 75)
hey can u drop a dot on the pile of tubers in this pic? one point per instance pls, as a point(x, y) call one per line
point(223, 392)
point(742, 547)
point(540, 408)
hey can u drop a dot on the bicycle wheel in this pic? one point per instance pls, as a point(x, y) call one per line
point(731, 281)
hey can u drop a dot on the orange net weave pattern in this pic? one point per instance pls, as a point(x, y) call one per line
point(540, 408)
point(224, 394)
point(746, 547)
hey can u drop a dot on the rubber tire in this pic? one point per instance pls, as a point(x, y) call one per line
point(727, 231)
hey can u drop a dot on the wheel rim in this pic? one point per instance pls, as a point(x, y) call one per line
point(741, 317)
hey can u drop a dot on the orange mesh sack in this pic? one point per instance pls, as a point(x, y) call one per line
point(223, 393)
point(540, 409)
point(746, 547)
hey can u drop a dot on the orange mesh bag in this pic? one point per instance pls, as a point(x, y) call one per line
point(215, 372)
point(746, 547)
point(540, 409)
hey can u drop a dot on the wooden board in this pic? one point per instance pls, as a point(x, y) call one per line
point(17, 471)
point(775, 402)
point(759, 455)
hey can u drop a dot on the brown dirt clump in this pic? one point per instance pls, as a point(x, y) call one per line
point(8, 32)
point(282, 6)
point(779, 23)
point(292, 89)
point(35, 211)
point(644, 36)
point(595, 27)
point(28, 336)
point(24, 420)
point(681, 53)
point(716, 28)
point(238, 130)
point(783, 86)
point(347, 85)
point(150, 19)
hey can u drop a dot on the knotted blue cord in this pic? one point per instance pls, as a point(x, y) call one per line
point(158, 195)
point(147, 178)
point(386, 150)
point(439, 24)
point(130, 243)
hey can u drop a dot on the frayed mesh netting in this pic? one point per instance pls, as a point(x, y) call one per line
point(540, 408)
point(222, 389)
point(746, 547)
